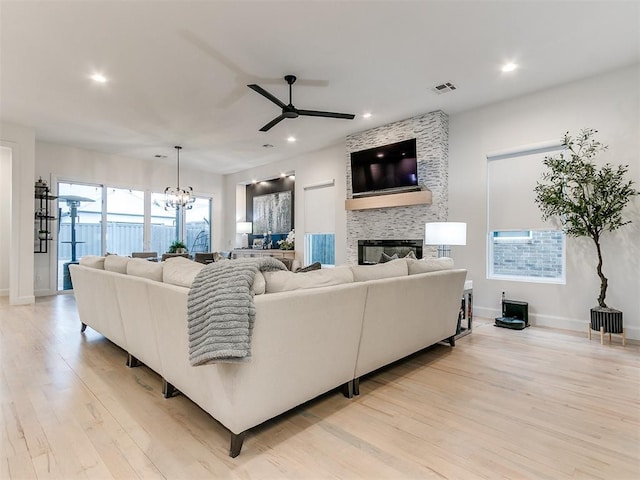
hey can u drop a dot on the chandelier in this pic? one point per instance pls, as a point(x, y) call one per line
point(176, 197)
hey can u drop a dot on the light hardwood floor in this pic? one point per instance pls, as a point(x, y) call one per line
point(537, 403)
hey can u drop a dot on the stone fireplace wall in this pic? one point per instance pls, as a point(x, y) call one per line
point(431, 131)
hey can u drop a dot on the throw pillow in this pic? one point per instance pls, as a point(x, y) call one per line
point(427, 265)
point(310, 268)
point(384, 258)
point(284, 281)
point(116, 263)
point(180, 271)
point(93, 261)
point(139, 267)
point(411, 254)
point(394, 268)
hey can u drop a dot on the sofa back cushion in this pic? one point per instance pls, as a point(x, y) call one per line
point(284, 281)
point(139, 267)
point(390, 269)
point(180, 271)
point(93, 261)
point(426, 265)
point(116, 263)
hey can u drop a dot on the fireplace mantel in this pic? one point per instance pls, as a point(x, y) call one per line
point(423, 197)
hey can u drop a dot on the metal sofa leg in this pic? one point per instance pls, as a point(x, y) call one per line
point(132, 361)
point(168, 390)
point(356, 386)
point(236, 444)
point(83, 327)
point(347, 389)
point(452, 340)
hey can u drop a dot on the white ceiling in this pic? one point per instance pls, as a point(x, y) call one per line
point(178, 69)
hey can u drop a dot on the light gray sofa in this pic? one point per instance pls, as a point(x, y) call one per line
point(313, 331)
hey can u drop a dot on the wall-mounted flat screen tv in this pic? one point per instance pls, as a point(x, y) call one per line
point(385, 169)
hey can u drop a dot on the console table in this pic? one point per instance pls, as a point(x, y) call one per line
point(256, 252)
point(465, 317)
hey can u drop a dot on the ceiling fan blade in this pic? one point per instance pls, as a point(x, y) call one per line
point(273, 122)
point(266, 94)
point(315, 113)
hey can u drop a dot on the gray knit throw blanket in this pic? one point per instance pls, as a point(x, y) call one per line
point(221, 311)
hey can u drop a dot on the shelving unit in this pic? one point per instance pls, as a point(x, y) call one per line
point(42, 217)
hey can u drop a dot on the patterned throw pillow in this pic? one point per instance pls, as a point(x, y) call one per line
point(309, 268)
point(411, 254)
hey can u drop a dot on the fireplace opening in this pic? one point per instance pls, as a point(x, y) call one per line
point(371, 252)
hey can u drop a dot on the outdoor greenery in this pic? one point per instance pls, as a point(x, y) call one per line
point(587, 199)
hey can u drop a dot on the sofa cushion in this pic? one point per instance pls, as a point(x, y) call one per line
point(284, 281)
point(116, 263)
point(93, 261)
point(139, 267)
point(427, 265)
point(259, 284)
point(393, 268)
point(180, 271)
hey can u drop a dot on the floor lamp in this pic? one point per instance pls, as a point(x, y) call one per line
point(245, 228)
point(445, 234)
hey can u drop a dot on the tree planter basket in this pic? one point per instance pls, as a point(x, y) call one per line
point(606, 320)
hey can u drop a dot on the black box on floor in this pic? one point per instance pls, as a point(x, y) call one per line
point(512, 323)
point(516, 309)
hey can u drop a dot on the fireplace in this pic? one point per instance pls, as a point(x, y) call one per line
point(370, 251)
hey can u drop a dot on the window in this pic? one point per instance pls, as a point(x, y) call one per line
point(534, 255)
point(125, 221)
point(164, 225)
point(520, 245)
point(319, 224)
point(198, 221)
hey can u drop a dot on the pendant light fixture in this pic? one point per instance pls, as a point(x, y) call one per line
point(176, 197)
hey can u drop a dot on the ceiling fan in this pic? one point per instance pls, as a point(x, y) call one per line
point(289, 111)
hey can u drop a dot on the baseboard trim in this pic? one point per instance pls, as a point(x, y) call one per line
point(28, 300)
point(4, 292)
point(564, 323)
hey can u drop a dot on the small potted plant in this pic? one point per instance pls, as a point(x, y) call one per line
point(589, 201)
point(288, 243)
point(177, 247)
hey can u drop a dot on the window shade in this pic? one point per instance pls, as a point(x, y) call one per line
point(510, 192)
point(319, 209)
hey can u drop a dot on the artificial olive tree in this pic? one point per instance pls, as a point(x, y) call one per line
point(587, 199)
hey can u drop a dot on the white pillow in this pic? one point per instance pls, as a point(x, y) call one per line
point(116, 263)
point(139, 267)
point(284, 281)
point(93, 261)
point(427, 265)
point(393, 268)
point(180, 271)
point(259, 284)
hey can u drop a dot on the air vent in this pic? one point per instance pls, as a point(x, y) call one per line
point(444, 88)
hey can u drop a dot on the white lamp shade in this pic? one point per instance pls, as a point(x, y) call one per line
point(244, 227)
point(445, 233)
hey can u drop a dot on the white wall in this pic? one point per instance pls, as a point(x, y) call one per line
point(609, 103)
point(310, 169)
point(5, 218)
point(21, 141)
point(59, 162)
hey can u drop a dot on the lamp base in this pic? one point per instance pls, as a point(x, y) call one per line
point(444, 251)
point(245, 240)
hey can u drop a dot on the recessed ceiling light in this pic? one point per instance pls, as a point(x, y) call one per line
point(366, 115)
point(99, 78)
point(291, 139)
point(509, 67)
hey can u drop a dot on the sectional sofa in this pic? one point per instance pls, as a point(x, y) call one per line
point(313, 331)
